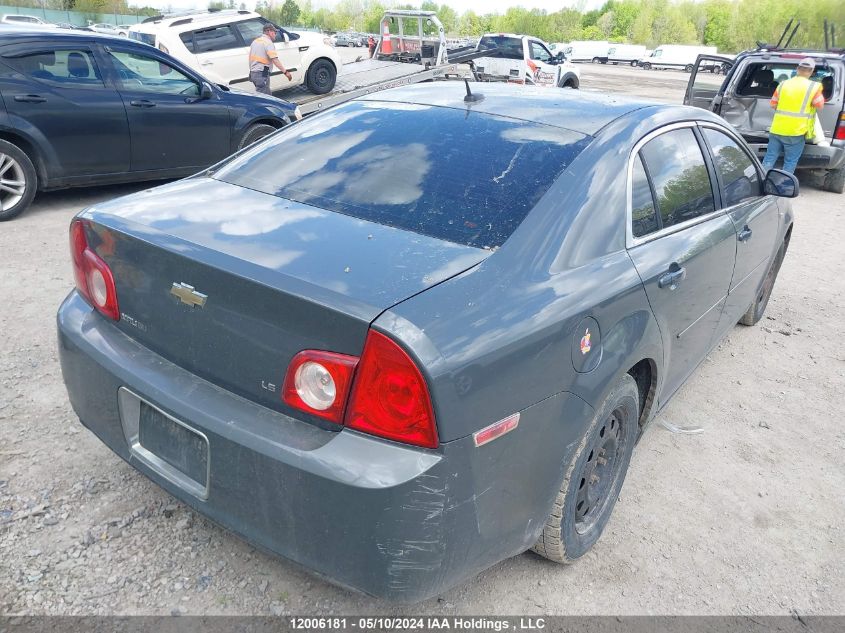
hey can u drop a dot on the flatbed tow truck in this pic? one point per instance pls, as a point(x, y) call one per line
point(410, 55)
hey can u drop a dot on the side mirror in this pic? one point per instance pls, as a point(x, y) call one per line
point(206, 92)
point(780, 183)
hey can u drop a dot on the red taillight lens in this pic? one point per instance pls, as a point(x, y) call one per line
point(94, 280)
point(839, 132)
point(390, 398)
point(318, 383)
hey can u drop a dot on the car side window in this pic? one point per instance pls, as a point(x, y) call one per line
point(250, 29)
point(679, 176)
point(740, 180)
point(218, 38)
point(141, 73)
point(643, 212)
point(71, 68)
point(539, 52)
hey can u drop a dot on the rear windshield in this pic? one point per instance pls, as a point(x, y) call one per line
point(505, 47)
point(452, 174)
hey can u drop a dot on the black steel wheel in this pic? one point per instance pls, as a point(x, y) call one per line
point(321, 77)
point(594, 477)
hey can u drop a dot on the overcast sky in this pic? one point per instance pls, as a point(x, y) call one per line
point(489, 6)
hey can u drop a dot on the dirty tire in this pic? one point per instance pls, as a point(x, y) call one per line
point(834, 180)
point(18, 181)
point(758, 307)
point(321, 77)
point(255, 133)
point(578, 517)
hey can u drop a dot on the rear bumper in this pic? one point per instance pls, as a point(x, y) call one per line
point(388, 520)
point(814, 156)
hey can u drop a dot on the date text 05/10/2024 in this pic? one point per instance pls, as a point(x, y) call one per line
point(457, 623)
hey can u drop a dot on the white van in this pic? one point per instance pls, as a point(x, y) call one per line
point(587, 51)
point(625, 54)
point(675, 56)
point(524, 60)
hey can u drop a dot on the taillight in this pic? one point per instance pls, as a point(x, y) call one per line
point(94, 279)
point(390, 397)
point(839, 132)
point(318, 383)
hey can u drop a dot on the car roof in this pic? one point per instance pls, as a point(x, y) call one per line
point(795, 54)
point(576, 110)
point(23, 33)
point(191, 19)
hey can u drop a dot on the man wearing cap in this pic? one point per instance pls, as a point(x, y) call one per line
point(795, 102)
point(262, 53)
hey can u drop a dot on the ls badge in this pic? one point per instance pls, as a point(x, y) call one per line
point(187, 295)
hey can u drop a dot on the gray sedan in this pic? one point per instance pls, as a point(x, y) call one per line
point(416, 334)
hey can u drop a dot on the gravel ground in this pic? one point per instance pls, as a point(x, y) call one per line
point(743, 518)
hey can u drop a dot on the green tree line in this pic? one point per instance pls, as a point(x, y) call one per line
point(731, 25)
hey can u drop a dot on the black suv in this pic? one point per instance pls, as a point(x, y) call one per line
point(82, 109)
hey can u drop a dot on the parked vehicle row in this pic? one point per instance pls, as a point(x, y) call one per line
point(121, 30)
point(81, 109)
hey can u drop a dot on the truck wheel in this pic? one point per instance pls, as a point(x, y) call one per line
point(255, 133)
point(18, 181)
point(758, 307)
point(688, 68)
point(594, 477)
point(596, 60)
point(646, 66)
point(834, 180)
point(634, 63)
point(321, 77)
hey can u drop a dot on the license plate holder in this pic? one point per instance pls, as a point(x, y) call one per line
point(168, 446)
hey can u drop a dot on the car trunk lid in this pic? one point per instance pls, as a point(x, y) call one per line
point(233, 290)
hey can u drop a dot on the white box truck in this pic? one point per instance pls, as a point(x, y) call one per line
point(625, 54)
point(587, 51)
point(675, 56)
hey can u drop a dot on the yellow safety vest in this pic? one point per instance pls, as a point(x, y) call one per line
point(795, 114)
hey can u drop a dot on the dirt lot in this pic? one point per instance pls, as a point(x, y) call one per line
point(745, 517)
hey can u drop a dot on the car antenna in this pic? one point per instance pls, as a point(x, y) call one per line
point(470, 97)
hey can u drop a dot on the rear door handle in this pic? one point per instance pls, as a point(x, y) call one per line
point(207, 63)
point(142, 103)
point(30, 98)
point(745, 234)
point(672, 277)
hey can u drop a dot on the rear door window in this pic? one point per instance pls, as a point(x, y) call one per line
point(456, 175)
point(73, 68)
point(679, 177)
point(218, 38)
point(643, 211)
point(737, 173)
point(505, 47)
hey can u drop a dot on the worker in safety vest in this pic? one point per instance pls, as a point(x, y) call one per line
point(795, 102)
point(262, 53)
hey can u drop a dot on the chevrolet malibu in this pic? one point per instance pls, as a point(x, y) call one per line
point(421, 332)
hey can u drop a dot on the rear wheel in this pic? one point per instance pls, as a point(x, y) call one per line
point(758, 307)
point(646, 66)
point(834, 180)
point(593, 478)
point(688, 68)
point(321, 77)
point(596, 60)
point(18, 181)
point(255, 133)
point(634, 63)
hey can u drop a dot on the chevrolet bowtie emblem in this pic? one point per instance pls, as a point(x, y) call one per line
point(188, 295)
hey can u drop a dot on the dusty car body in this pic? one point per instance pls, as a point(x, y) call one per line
point(494, 338)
